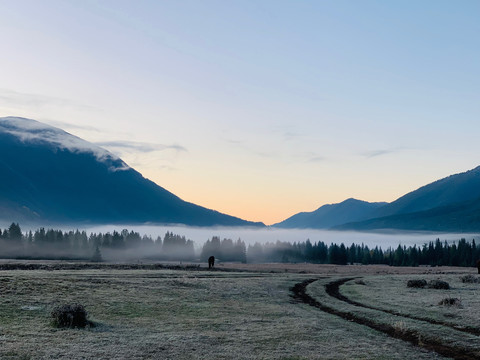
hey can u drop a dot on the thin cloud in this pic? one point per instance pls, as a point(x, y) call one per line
point(143, 147)
point(269, 155)
point(65, 125)
point(287, 132)
point(242, 145)
point(26, 100)
point(289, 135)
point(308, 157)
point(316, 159)
point(236, 142)
point(381, 152)
point(151, 164)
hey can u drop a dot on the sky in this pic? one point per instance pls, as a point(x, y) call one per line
point(258, 109)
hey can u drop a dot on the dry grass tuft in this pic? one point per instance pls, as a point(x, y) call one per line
point(70, 316)
point(438, 284)
point(400, 327)
point(417, 283)
point(449, 301)
point(470, 279)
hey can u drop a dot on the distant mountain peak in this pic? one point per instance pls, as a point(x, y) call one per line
point(352, 200)
point(330, 215)
point(35, 132)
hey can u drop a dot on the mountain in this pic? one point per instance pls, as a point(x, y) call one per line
point(449, 204)
point(50, 176)
point(450, 190)
point(331, 215)
point(459, 217)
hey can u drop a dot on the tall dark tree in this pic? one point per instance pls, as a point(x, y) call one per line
point(15, 233)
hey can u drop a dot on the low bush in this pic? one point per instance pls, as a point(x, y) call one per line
point(469, 279)
point(450, 302)
point(400, 327)
point(438, 284)
point(417, 283)
point(70, 316)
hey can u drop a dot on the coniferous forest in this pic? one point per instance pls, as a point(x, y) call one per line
point(58, 244)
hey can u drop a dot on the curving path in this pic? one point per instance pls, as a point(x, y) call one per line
point(333, 289)
point(411, 336)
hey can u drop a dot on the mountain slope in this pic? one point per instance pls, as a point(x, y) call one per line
point(48, 175)
point(449, 204)
point(450, 190)
point(459, 217)
point(331, 215)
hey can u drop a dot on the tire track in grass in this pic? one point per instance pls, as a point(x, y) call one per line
point(333, 289)
point(411, 336)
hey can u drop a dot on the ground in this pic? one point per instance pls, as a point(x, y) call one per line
point(238, 311)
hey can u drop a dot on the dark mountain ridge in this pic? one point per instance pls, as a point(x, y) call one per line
point(330, 215)
point(50, 176)
point(449, 204)
point(449, 190)
point(458, 217)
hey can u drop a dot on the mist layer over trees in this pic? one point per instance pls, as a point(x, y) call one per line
point(435, 253)
point(129, 245)
point(76, 245)
point(224, 250)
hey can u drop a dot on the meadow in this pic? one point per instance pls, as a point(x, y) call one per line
point(240, 312)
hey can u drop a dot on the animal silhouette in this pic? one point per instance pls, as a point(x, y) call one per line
point(211, 262)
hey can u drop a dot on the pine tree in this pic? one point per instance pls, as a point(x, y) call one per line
point(15, 233)
point(97, 256)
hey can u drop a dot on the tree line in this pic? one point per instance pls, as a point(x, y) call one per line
point(58, 244)
point(435, 253)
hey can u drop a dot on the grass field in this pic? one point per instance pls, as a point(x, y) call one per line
point(200, 314)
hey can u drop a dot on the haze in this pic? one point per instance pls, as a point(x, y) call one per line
point(258, 109)
point(252, 235)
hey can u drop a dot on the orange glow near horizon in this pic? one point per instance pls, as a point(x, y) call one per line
point(254, 200)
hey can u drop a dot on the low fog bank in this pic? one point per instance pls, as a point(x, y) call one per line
point(270, 235)
point(252, 235)
point(189, 244)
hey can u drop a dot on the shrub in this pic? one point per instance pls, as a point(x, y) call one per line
point(71, 316)
point(450, 302)
point(438, 284)
point(400, 327)
point(469, 279)
point(417, 283)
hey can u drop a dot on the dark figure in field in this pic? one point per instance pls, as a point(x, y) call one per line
point(478, 266)
point(211, 262)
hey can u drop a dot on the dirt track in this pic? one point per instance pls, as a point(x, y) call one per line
point(411, 336)
point(333, 289)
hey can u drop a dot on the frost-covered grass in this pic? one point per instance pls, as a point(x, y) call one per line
point(390, 292)
point(179, 314)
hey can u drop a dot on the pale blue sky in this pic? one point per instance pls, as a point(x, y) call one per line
point(259, 109)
